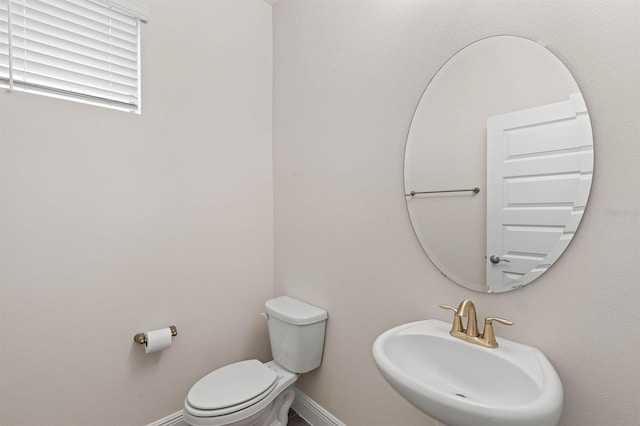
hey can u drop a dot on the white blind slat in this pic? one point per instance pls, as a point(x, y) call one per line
point(37, 70)
point(57, 84)
point(82, 49)
point(71, 51)
point(104, 73)
point(105, 24)
point(63, 29)
point(68, 41)
point(92, 11)
point(4, 42)
point(135, 8)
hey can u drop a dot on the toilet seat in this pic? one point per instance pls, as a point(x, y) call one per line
point(231, 388)
point(249, 412)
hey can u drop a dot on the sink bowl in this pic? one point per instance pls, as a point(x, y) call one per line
point(460, 384)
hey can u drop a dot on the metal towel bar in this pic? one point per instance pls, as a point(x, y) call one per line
point(474, 190)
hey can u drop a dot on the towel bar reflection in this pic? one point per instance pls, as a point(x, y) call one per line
point(474, 190)
point(139, 338)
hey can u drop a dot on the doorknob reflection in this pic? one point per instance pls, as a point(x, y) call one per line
point(497, 259)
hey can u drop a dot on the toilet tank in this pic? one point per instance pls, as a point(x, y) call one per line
point(296, 331)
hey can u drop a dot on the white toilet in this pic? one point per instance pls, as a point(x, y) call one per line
point(250, 393)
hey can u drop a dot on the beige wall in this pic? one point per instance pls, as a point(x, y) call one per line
point(112, 223)
point(347, 78)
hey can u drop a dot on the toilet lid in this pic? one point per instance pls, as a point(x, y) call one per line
point(231, 385)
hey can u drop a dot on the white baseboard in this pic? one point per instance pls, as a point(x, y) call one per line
point(306, 407)
point(312, 412)
point(174, 419)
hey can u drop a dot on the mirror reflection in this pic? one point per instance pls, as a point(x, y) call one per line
point(498, 164)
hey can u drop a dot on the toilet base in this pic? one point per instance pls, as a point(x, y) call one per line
point(279, 411)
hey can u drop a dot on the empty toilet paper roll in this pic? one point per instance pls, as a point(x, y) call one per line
point(157, 340)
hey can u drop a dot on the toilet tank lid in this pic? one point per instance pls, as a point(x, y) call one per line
point(294, 312)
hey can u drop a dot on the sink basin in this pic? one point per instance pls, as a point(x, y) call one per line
point(460, 384)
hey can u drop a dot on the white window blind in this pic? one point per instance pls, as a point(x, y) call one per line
point(4, 42)
point(85, 50)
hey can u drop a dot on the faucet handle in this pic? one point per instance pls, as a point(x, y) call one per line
point(457, 322)
point(455, 310)
point(488, 335)
point(490, 320)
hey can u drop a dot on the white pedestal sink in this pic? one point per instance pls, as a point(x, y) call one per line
point(462, 384)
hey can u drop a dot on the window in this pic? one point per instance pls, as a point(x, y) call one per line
point(85, 50)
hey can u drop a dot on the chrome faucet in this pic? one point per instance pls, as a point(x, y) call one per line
point(470, 333)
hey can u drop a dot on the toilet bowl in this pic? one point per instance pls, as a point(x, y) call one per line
point(250, 393)
point(256, 394)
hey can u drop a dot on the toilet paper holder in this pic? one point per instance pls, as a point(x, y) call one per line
point(139, 338)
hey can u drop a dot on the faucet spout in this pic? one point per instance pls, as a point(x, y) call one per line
point(468, 309)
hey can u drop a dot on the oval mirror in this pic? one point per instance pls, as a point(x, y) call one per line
point(498, 164)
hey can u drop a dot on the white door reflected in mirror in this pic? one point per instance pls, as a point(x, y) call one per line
point(539, 163)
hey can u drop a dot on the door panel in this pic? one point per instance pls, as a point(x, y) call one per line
point(538, 180)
